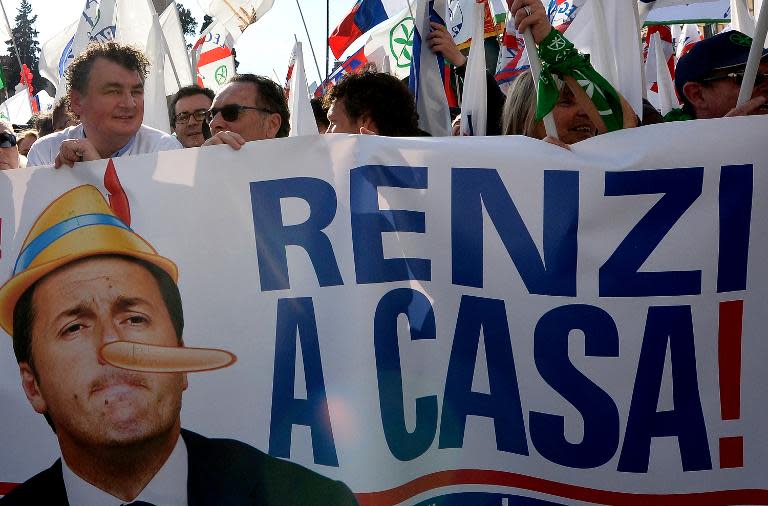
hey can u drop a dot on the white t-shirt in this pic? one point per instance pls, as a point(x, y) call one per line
point(146, 140)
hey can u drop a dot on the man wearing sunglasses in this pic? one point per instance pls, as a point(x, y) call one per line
point(106, 92)
point(709, 76)
point(9, 150)
point(189, 111)
point(248, 108)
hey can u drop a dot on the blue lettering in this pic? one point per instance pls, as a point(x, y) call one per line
point(673, 325)
point(369, 222)
point(489, 317)
point(599, 412)
point(472, 188)
point(403, 444)
point(298, 316)
point(272, 236)
point(735, 220)
point(619, 276)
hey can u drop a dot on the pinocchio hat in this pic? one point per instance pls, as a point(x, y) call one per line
point(722, 51)
point(77, 225)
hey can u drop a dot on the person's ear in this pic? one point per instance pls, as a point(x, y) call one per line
point(75, 101)
point(368, 124)
point(694, 93)
point(273, 125)
point(31, 388)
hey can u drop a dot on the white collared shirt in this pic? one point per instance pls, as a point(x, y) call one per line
point(167, 488)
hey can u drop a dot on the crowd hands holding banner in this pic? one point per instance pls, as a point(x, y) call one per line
point(102, 115)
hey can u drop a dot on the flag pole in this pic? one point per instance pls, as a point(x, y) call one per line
point(533, 58)
point(18, 58)
point(319, 75)
point(327, 35)
point(755, 54)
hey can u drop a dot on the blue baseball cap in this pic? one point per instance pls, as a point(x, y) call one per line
point(722, 51)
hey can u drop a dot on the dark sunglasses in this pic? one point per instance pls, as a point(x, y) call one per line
point(738, 77)
point(231, 112)
point(199, 115)
point(7, 140)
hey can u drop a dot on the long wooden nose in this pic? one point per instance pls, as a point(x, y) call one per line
point(145, 357)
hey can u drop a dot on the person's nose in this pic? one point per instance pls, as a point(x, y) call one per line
point(217, 123)
point(106, 333)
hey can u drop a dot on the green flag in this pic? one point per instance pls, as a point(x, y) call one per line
point(2, 78)
point(559, 56)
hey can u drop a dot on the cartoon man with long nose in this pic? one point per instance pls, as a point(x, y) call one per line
point(86, 290)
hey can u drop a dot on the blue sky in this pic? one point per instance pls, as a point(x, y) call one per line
point(263, 49)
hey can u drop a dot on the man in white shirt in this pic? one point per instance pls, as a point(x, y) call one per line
point(84, 279)
point(106, 91)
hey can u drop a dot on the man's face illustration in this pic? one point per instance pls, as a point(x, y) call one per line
point(76, 309)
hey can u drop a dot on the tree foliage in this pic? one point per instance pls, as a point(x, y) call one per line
point(207, 20)
point(29, 48)
point(188, 22)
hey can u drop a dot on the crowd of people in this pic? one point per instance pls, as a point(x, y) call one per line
point(103, 112)
point(103, 117)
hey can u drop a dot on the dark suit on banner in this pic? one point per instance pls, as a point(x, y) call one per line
point(222, 472)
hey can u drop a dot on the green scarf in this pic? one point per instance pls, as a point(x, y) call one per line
point(559, 56)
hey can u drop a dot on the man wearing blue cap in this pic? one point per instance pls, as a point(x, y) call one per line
point(709, 76)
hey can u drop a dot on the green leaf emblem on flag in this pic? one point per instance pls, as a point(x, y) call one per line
point(221, 74)
point(401, 42)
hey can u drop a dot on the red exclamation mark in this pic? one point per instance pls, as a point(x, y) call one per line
point(729, 361)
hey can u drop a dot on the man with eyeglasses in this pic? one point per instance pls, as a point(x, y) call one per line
point(189, 109)
point(248, 108)
point(9, 149)
point(106, 92)
point(709, 76)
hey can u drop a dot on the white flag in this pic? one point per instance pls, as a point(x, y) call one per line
point(608, 30)
point(689, 35)
point(693, 9)
point(474, 105)
point(667, 98)
point(178, 69)
point(236, 15)
point(214, 62)
point(392, 41)
point(96, 23)
point(462, 17)
point(741, 19)
point(55, 54)
point(302, 118)
point(426, 79)
point(17, 109)
point(45, 101)
point(139, 26)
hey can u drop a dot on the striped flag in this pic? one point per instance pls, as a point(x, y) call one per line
point(562, 12)
point(513, 58)
point(352, 64)
point(214, 61)
point(363, 16)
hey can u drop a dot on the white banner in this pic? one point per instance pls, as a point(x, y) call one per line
point(457, 321)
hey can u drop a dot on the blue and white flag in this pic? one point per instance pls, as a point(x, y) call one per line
point(513, 58)
point(96, 23)
point(426, 79)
